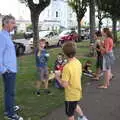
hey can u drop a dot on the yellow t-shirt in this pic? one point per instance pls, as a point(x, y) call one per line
point(72, 72)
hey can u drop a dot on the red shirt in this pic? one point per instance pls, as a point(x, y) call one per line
point(108, 44)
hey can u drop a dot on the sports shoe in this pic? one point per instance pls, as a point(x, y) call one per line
point(14, 117)
point(16, 108)
point(48, 92)
point(82, 118)
point(37, 93)
point(88, 74)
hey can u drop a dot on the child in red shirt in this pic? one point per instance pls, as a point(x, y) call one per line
point(59, 64)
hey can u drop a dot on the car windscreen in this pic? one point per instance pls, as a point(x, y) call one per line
point(43, 33)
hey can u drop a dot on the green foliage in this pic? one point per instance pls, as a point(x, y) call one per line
point(29, 28)
point(19, 36)
point(110, 6)
point(79, 6)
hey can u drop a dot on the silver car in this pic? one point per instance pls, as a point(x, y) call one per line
point(51, 38)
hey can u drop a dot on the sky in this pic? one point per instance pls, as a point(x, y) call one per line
point(15, 8)
point(19, 10)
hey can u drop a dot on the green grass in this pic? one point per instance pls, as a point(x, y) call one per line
point(33, 106)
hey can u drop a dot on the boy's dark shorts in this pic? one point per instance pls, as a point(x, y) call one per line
point(70, 107)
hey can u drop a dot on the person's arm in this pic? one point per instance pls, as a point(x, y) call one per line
point(105, 48)
point(98, 49)
point(64, 81)
point(2, 50)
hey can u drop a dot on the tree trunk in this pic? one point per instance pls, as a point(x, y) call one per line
point(100, 20)
point(92, 27)
point(79, 30)
point(92, 20)
point(100, 24)
point(114, 27)
point(35, 20)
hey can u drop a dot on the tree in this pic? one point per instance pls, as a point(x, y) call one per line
point(112, 8)
point(101, 15)
point(29, 28)
point(92, 26)
point(92, 20)
point(80, 8)
point(35, 10)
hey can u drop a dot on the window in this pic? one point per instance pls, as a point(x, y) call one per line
point(56, 13)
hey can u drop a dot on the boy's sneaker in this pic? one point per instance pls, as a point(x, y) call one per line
point(14, 117)
point(16, 108)
point(48, 92)
point(88, 74)
point(82, 118)
point(37, 93)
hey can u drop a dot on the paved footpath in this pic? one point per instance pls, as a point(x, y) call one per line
point(97, 104)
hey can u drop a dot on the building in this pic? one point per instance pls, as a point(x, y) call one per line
point(22, 25)
point(58, 15)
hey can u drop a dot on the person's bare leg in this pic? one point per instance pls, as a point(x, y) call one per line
point(71, 118)
point(38, 84)
point(107, 78)
point(79, 110)
point(46, 84)
point(111, 75)
point(97, 74)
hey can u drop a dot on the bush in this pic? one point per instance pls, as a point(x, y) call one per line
point(19, 36)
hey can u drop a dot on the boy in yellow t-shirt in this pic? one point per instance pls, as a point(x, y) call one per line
point(71, 81)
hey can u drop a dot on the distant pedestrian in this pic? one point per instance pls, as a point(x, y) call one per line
point(71, 81)
point(87, 69)
point(99, 60)
point(8, 66)
point(108, 56)
point(42, 67)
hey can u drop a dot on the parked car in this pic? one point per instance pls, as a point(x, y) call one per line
point(85, 33)
point(51, 38)
point(28, 35)
point(20, 48)
point(68, 35)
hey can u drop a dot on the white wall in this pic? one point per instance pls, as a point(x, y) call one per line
point(65, 14)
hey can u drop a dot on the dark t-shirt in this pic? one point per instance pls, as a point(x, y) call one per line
point(98, 52)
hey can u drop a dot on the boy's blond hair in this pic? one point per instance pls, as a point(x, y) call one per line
point(39, 49)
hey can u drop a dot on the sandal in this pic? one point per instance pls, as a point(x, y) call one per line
point(112, 77)
point(103, 87)
point(95, 78)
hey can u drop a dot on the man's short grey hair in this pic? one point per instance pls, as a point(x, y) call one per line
point(6, 19)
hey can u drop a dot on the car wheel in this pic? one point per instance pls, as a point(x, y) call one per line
point(60, 43)
point(46, 45)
